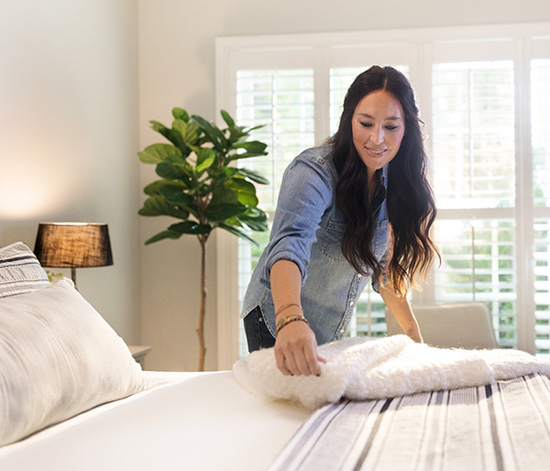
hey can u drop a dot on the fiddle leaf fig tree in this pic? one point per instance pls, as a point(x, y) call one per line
point(201, 186)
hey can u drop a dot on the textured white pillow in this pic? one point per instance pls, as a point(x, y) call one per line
point(58, 357)
point(20, 270)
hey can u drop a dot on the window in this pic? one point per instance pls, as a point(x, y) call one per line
point(473, 134)
point(283, 101)
point(484, 93)
point(473, 114)
point(540, 142)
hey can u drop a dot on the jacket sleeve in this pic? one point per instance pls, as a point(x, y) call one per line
point(306, 192)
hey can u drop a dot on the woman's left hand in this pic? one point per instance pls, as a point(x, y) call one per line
point(401, 310)
point(415, 335)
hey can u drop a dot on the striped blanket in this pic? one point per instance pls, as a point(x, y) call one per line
point(501, 426)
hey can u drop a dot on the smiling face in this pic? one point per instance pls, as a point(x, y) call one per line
point(378, 126)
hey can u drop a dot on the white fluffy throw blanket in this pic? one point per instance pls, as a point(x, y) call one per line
point(359, 368)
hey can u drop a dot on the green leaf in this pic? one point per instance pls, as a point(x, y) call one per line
point(246, 191)
point(222, 195)
point(239, 142)
point(255, 219)
point(227, 118)
point(238, 232)
point(252, 148)
point(256, 226)
point(157, 205)
point(182, 165)
point(254, 128)
point(205, 158)
point(191, 227)
point(171, 171)
point(175, 195)
point(180, 113)
point(161, 128)
point(228, 172)
point(153, 188)
point(190, 133)
point(163, 235)
point(254, 176)
point(157, 153)
point(174, 137)
point(212, 132)
point(221, 212)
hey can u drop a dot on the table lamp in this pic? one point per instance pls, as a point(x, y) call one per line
point(73, 245)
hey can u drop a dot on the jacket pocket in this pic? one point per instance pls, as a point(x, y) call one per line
point(332, 240)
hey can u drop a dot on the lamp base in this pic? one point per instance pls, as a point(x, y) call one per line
point(73, 277)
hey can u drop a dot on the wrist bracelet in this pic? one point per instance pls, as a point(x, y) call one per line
point(287, 320)
point(281, 309)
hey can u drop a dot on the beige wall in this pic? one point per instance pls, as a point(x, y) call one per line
point(69, 134)
point(177, 68)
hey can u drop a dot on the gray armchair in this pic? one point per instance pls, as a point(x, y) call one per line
point(460, 325)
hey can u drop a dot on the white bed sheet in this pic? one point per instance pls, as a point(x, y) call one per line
point(187, 421)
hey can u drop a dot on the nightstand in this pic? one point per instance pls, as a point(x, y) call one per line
point(139, 352)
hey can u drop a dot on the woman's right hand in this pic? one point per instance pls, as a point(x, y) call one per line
point(296, 350)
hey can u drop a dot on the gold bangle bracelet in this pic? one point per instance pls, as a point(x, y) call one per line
point(281, 309)
point(288, 319)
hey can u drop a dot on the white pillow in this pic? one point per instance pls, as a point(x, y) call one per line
point(58, 357)
point(20, 270)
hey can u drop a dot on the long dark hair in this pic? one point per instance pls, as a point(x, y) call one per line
point(410, 201)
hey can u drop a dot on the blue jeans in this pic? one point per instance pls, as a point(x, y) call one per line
point(257, 333)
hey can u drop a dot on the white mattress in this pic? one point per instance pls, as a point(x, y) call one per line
point(202, 421)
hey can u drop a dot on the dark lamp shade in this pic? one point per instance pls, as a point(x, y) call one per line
point(73, 245)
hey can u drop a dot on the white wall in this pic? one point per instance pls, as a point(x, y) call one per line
point(69, 135)
point(177, 68)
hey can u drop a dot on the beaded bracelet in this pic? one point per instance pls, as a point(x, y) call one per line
point(288, 319)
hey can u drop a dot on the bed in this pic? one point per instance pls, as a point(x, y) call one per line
point(63, 406)
point(192, 421)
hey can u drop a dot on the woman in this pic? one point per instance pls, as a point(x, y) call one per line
point(359, 206)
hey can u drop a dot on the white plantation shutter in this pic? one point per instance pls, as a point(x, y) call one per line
point(340, 80)
point(283, 101)
point(473, 173)
point(540, 141)
point(473, 134)
point(479, 264)
point(542, 286)
point(540, 130)
point(484, 93)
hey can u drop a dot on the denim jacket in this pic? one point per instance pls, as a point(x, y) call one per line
point(308, 230)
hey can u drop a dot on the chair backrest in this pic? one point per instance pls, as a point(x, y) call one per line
point(460, 325)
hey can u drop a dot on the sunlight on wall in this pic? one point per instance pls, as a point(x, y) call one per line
point(33, 183)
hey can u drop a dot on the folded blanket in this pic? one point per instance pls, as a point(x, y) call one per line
point(360, 368)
